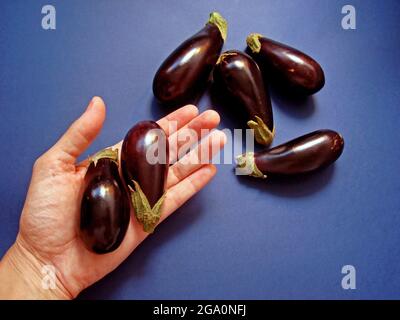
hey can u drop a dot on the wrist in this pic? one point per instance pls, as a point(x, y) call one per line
point(24, 276)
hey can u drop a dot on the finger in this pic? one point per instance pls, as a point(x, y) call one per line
point(81, 133)
point(181, 141)
point(187, 188)
point(198, 157)
point(177, 119)
point(173, 121)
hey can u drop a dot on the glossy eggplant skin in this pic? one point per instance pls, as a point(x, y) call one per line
point(302, 155)
point(290, 68)
point(238, 76)
point(105, 207)
point(134, 164)
point(183, 76)
point(144, 164)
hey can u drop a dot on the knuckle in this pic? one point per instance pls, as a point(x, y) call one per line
point(40, 162)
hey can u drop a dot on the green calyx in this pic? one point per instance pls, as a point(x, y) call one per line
point(108, 153)
point(246, 162)
point(262, 133)
point(147, 216)
point(253, 42)
point(219, 21)
point(224, 55)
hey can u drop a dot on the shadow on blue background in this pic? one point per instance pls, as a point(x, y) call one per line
point(300, 186)
point(297, 107)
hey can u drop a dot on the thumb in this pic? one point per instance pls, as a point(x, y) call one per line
point(81, 133)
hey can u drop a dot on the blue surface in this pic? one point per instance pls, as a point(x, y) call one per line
point(239, 238)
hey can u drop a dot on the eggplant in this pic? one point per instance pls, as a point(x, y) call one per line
point(237, 76)
point(105, 206)
point(144, 165)
point(289, 67)
point(302, 155)
point(183, 76)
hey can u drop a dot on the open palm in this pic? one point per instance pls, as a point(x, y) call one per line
point(50, 219)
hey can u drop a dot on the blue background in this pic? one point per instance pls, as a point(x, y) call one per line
point(240, 238)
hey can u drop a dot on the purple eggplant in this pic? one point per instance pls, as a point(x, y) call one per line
point(289, 67)
point(144, 164)
point(105, 206)
point(183, 76)
point(302, 155)
point(237, 76)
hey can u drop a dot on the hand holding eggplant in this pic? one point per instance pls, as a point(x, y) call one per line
point(145, 158)
point(49, 227)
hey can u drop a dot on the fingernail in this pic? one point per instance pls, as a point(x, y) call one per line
point(91, 103)
point(210, 169)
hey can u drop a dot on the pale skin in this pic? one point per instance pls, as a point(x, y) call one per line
point(49, 225)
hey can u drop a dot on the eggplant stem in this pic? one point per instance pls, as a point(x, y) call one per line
point(253, 42)
point(219, 21)
point(147, 216)
point(262, 133)
point(224, 55)
point(246, 161)
point(108, 153)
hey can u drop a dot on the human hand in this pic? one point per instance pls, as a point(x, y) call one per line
point(49, 224)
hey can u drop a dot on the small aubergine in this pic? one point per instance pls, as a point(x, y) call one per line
point(144, 164)
point(290, 67)
point(302, 155)
point(183, 76)
point(237, 76)
point(105, 206)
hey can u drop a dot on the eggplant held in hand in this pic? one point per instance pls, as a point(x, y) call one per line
point(105, 206)
point(238, 76)
point(305, 154)
point(291, 67)
point(184, 74)
point(144, 164)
